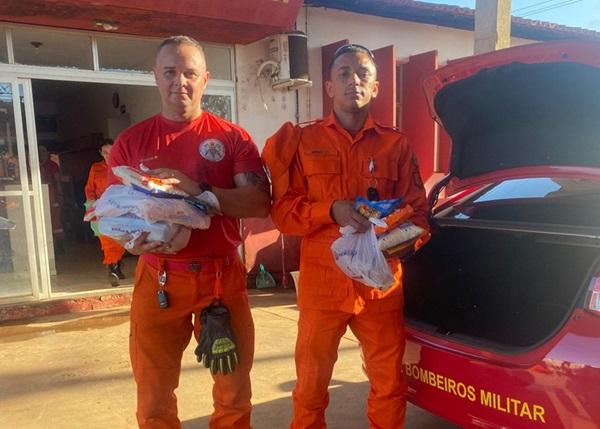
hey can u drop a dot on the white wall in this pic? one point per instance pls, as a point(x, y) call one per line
point(86, 111)
point(252, 115)
point(324, 26)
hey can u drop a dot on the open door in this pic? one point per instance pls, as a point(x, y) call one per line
point(417, 123)
point(21, 216)
point(383, 108)
point(327, 52)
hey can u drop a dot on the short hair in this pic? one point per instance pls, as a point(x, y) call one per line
point(181, 40)
point(105, 142)
point(350, 48)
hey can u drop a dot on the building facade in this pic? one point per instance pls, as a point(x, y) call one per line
point(75, 72)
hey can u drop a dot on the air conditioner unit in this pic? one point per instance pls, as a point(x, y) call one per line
point(290, 52)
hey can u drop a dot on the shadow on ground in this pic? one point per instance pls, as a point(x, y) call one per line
point(347, 410)
point(342, 413)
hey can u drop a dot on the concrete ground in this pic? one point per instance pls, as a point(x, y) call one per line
point(72, 372)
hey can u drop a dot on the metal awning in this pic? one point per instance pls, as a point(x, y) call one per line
point(223, 21)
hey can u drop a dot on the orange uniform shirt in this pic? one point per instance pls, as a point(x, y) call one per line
point(97, 180)
point(314, 166)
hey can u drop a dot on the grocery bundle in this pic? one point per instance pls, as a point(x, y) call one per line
point(362, 256)
point(148, 204)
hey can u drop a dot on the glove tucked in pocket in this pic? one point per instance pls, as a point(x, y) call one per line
point(217, 348)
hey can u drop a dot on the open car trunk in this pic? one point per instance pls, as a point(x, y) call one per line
point(504, 289)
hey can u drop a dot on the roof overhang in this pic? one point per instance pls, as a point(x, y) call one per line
point(452, 17)
point(223, 21)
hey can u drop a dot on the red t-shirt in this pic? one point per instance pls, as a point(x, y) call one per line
point(208, 149)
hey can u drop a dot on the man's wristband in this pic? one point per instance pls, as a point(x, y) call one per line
point(204, 186)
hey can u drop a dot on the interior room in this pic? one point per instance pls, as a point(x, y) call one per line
point(72, 121)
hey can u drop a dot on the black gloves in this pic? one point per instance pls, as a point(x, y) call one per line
point(216, 348)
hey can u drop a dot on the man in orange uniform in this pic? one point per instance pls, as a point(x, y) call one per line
point(94, 188)
point(203, 153)
point(317, 172)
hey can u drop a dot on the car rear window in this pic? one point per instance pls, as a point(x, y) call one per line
point(546, 200)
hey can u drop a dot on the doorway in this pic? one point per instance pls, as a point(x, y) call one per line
point(73, 119)
point(47, 251)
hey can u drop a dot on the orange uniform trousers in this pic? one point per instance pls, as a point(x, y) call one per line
point(158, 338)
point(113, 251)
point(381, 337)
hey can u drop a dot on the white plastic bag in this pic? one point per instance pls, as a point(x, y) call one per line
point(119, 200)
point(175, 235)
point(359, 257)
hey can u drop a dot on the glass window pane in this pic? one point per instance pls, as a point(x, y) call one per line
point(14, 254)
point(3, 50)
point(9, 156)
point(220, 105)
point(218, 62)
point(543, 200)
point(49, 48)
point(126, 54)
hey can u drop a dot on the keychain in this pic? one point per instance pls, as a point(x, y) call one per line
point(161, 296)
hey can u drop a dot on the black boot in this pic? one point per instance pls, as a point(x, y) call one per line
point(118, 271)
point(113, 276)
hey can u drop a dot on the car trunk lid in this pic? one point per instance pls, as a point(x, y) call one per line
point(534, 105)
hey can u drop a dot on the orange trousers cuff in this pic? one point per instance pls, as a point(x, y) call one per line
point(113, 251)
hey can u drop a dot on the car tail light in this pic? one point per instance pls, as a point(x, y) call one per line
point(594, 303)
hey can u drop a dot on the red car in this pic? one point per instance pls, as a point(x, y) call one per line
point(503, 304)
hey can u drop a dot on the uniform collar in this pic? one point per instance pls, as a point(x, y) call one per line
point(331, 121)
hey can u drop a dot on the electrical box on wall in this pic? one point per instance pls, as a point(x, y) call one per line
point(290, 52)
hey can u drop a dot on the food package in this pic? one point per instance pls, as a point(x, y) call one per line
point(143, 182)
point(394, 219)
point(402, 234)
point(375, 209)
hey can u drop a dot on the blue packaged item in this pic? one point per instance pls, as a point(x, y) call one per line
point(376, 209)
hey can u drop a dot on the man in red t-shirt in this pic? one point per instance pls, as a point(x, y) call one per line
point(203, 152)
point(94, 188)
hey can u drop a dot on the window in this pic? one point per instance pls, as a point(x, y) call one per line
point(543, 200)
point(220, 105)
point(3, 49)
point(218, 61)
point(50, 48)
point(118, 54)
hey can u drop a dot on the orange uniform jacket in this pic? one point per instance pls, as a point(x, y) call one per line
point(310, 168)
point(97, 180)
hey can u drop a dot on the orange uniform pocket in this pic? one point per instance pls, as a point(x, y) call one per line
point(383, 176)
point(322, 170)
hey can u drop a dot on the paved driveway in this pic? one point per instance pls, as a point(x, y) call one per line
point(72, 372)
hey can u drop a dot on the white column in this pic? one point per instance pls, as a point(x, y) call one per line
point(492, 25)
